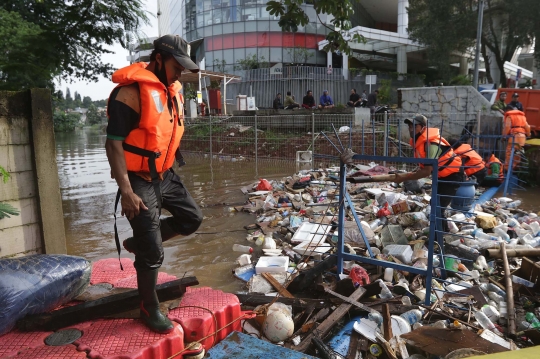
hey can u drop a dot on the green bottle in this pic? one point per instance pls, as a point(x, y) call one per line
point(531, 318)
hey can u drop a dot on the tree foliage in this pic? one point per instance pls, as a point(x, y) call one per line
point(65, 122)
point(449, 27)
point(291, 15)
point(92, 116)
point(252, 62)
point(49, 38)
point(299, 55)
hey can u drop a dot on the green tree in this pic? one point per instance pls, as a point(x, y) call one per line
point(62, 38)
point(506, 26)
point(299, 55)
point(251, 62)
point(86, 102)
point(66, 122)
point(291, 15)
point(92, 116)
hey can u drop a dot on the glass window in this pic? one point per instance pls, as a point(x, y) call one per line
point(217, 29)
point(310, 12)
point(251, 26)
point(199, 6)
point(239, 54)
point(200, 20)
point(263, 54)
point(321, 58)
point(263, 39)
point(218, 56)
point(250, 39)
point(209, 58)
point(228, 56)
point(208, 20)
point(217, 42)
point(276, 54)
point(250, 52)
point(225, 15)
point(228, 28)
point(263, 25)
point(274, 26)
point(216, 4)
point(262, 13)
point(287, 58)
point(238, 27)
point(311, 28)
point(250, 13)
point(208, 31)
point(239, 40)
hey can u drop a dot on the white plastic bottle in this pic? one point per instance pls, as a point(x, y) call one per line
point(385, 292)
point(412, 316)
point(242, 249)
point(388, 274)
point(500, 232)
point(535, 228)
point(485, 236)
point(513, 223)
point(514, 204)
point(485, 323)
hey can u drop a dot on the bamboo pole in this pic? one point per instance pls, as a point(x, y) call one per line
point(509, 294)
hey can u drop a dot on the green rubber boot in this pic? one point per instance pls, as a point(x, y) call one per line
point(150, 313)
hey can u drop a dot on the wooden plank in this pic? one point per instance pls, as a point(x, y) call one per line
point(387, 322)
point(16, 158)
point(20, 240)
point(28, 213)
point(281, 290)
point(350, 301)
point(101, 307)
point(14, 131)
point(354, 345)
point(259, 299)
point(331, 320)
point(19, 185)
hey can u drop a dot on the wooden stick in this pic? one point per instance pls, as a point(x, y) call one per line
point(350, 301)
point(330, 322)
point(509, 293)
point(387, 322)
point(448, 316)
point(376, 178)
point(281, 290)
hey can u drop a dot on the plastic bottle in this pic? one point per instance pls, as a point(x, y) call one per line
point(512, 222)
point(459, 217)
point(485, 323)
point(531, 318)
point(535, 228)
point(375, 317)
point(242, 249)
point(412, 316)
point(495, 297)
point(514, 204)
point(501, 233)
point(388, 274)
point(374, 224)
point(481, 263)
point(452, 227)
point(485, 236)
point(385, 292)
point(260, 240)
point(491, 312)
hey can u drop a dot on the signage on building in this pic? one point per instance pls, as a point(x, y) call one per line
point(368, 57)
point(371, 79)
point(277, 69)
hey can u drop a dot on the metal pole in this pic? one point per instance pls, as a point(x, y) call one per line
point(224, 95)
point(385, 136)
point(312, 140)
point(509, 293)
point(210, 119)
point(256, 146)
point(478, 129)
point(478, 42)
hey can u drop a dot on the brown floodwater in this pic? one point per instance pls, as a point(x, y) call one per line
point(88, 194)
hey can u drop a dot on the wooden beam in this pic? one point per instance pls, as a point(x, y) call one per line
point(331, 320)
point(101, 307)
point(387, 322)
point(281, 289)
point(259, 299)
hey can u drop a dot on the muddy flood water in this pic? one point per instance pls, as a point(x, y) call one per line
point(88, 194)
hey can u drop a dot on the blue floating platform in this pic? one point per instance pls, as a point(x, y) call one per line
point(242, 346)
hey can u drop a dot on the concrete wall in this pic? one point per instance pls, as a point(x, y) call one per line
point(27, 152)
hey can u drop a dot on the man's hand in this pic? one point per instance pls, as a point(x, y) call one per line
point(132, 205)
point(347, 156)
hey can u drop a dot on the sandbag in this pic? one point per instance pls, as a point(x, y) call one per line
point(39, 283)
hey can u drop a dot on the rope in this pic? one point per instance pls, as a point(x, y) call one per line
point(214, 334)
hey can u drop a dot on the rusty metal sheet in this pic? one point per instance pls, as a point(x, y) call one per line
point(442, 341)
point(475, 292)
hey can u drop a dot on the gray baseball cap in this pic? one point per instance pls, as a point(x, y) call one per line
point(179, 48)
point(417, 120)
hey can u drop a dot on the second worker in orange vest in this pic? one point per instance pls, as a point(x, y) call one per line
point(428, 143)
point(515, 125)
point(473, 164)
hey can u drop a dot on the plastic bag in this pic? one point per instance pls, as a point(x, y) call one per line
point(39, 283)
point(359, 275)
point(383, 212)
point(264, 185)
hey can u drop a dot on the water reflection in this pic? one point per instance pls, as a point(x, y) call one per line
point(88, 195)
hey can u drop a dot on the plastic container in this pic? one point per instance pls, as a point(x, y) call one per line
point(459, 217)
point(388, 274)
point(402, 252)
point(514, 204)
point(464, 197)
point(490, 287)
point(485, 323)
point(242, 249)
point(452, 227)
point(491, 312)
point(531, 318)
point(374, 224)
point(385, 292)
point(485, 236)
point(501, 233)
point(412, 316)
point(535, 228)
point(244, 259)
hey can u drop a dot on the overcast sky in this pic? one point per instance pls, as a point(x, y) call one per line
point(100, 90)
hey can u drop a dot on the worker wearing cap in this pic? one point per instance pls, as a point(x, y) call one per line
point(515, 125)
point(515, 102)
point(143, 135)
point(428, 143)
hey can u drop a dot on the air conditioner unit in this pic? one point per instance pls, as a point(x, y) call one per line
point(250, 17)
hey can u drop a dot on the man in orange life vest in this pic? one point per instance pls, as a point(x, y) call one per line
point(143, 135)
point(515, 125)
point(428, 143)
point(473, 163)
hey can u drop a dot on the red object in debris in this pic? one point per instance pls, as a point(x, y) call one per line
point(359, 276)
point(264, 185)
point(195, 315)
point(383, 212)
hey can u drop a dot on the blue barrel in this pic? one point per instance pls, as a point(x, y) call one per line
point(464, 198)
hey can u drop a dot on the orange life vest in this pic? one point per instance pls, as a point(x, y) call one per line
point(159, 130)
point(491, 161)
point(519, 122)
point(472, 161)
point(449, 162)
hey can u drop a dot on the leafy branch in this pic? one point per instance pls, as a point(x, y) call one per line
point(6, 209)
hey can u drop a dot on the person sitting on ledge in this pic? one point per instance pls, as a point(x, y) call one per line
point(354, 99)
point(309, 101)
point(277, 102)
point(289, 102)
point(326, 101)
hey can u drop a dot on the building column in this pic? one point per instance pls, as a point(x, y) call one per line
point(463, 66)
point(345, 66)
point(402, 60)
point(403, 16)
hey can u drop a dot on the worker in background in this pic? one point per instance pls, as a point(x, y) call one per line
point(428, 143)
point(495, 175)
point(500, 105)
point(515, 125)
point(515, 102)
point(473, 163)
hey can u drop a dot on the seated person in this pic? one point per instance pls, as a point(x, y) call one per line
point(277, 102)
point(354, 99)
point(326, 101)
point(495, 174)
point(309, 101)
point(289, 102)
